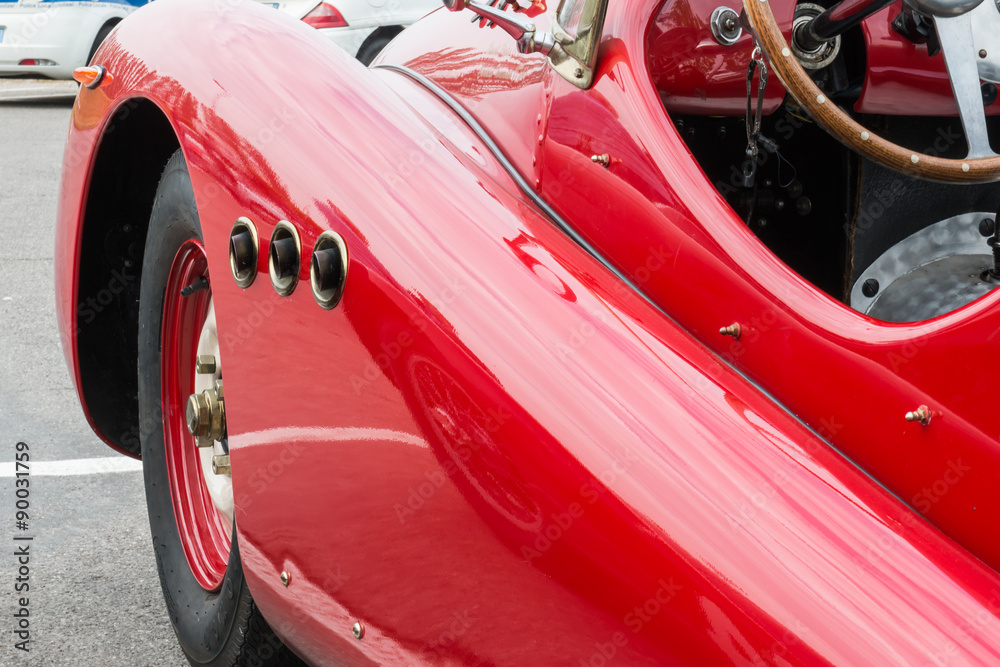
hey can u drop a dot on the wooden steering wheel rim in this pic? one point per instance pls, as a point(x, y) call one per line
point(845, 128)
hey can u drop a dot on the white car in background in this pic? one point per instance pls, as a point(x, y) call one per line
point(360, 27)
point(52, 38)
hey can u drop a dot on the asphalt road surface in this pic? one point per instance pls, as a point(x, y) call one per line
point(94, 596)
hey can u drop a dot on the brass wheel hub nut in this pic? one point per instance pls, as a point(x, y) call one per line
point(206, 417)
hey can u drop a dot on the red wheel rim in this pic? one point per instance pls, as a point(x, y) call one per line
point(204, 532)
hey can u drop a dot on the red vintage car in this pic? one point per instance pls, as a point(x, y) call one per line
point(633, 333)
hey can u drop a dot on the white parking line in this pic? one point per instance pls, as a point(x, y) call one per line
point(73, 467)
point(39, 90)
point(29, 97)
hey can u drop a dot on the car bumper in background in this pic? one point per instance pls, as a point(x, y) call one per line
point(60, 36)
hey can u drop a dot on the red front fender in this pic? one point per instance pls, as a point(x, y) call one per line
point(491, 451)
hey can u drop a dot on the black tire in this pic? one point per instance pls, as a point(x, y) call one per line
point(374, 44)
point(102, 34)
point(224, 628)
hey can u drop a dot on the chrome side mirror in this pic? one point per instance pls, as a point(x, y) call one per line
point(521, 29)
point(571, 47)
point(577, 31)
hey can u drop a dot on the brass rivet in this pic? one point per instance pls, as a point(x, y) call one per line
point(921, 414)
point(733, 330)
point(603, 159)
point(286, 578)
point(358, 630)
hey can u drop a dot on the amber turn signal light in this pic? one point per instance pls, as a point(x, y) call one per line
point(93, 77)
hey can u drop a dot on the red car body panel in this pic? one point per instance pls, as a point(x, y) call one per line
point(902, 77)
point(850, 377)
point(694, 73)
point(493, 451)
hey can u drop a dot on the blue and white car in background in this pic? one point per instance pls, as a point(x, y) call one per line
point(360, 27)
point(51, 38)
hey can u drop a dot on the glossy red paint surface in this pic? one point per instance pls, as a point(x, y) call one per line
point(686, 249)
point(902, 79)
point(78, 160)
point(863, 375)
point(695, 73)
point(491, 452)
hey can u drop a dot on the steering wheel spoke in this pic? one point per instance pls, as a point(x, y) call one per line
point(956, 37)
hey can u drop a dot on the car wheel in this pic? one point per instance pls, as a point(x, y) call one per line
point(102, 34)
point(190, 507)
point(374, 44)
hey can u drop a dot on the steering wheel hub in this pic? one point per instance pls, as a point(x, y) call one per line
point(955, 34)
point(811, 54)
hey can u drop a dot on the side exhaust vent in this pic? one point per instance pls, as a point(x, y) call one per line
point(243, 246)
point(328, 269)
point(284, 258)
